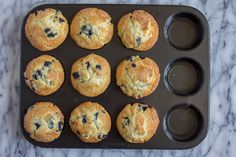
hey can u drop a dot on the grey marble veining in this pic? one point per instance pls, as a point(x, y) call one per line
point(221, 139)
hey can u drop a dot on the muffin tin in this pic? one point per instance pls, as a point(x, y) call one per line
point(181, 99)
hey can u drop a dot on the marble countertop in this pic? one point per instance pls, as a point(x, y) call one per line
point(221, 138)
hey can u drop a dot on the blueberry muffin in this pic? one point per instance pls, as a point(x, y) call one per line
point(137, 123)
point(91, 75)
point(46, 29)
point(138, 30)
point(137, 76)
point(44, 122)
point(90, 122)
point(44, 75)
point(91, 28)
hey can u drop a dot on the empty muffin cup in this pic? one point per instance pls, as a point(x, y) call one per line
point(184, 31)
point(183, 123)
point(183, 77)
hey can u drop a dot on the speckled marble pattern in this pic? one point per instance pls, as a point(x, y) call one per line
point(221, 139)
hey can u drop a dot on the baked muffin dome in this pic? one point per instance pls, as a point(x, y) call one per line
point(91, 28)
point(44, 121)
point(90, 122)
point(46, 29)
point(137, 123)
point(138, 30)
point(44, 75)
point(91, 75)
point(137, 76)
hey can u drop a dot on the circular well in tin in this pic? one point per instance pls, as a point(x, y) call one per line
point(184, 31)
point(183, 76)
point(183, 123)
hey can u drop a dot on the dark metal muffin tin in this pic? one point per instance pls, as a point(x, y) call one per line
point(181, 99)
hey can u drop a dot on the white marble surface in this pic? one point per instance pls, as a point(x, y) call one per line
point(221, 139)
